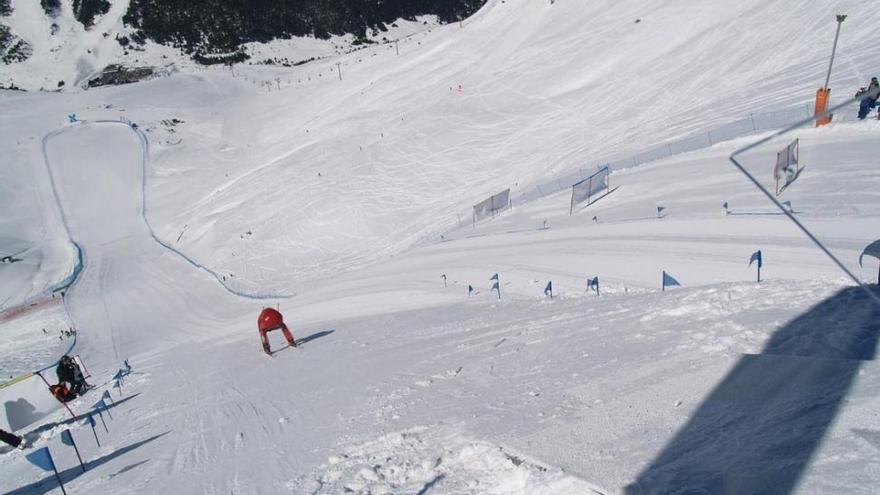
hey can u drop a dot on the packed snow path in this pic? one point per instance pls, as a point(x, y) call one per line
point(133, 294)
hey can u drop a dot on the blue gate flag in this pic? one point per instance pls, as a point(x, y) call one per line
point(788, 204)
point(91, 421)
point(495, 286)
point(872, 249)
point(756, 256)
point(67, 438)
point(494, 277)
point(593, 283)
point(41, 458)
point(660, 211)
point(596, 219)
point(102, 405)
point(669, 281)
point(470, 290)
point(548, 291)
point(107, 395)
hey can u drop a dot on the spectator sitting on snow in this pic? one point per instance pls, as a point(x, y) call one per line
point(69, 372)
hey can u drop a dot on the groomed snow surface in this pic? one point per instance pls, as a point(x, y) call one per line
point(334, 191)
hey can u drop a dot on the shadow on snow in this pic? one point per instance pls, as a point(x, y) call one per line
point(760, 427)
point(50, 483)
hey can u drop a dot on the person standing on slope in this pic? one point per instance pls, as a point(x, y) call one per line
point(269, 320)
point(869, 98)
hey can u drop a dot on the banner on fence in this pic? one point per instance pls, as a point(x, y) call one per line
point(787, 167)
point(589, 189)
point(489, 207)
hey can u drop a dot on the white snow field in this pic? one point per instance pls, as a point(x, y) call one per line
point(325, 198)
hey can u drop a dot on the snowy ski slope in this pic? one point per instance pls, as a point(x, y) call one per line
point(327, 189)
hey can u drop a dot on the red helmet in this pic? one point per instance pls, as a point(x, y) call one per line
point(269, 319)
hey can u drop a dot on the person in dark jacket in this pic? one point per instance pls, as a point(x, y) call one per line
point(869, 97)
point(68, 371)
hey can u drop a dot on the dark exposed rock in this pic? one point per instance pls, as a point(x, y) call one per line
point(12, 48)
point(222, 26)
point(117, 74)
point(51, 7)
point(86, 11)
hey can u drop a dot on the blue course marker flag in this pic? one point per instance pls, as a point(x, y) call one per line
point(756, 256)
point(102, 405)
point(470, 290)
point(593, 284)
point(42, 458)
point(669, 281)
point(91, 421)
point(107, 396)
point(660, 211)
point(497, 285)
point(67, 439)
point(548, 291)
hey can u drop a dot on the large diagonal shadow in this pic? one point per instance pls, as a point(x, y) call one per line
point(757, 431)
point(35, 434)
point(50, 483)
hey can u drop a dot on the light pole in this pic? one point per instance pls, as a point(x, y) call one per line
point(824, 93)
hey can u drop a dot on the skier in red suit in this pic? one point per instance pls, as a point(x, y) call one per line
point(269, 320)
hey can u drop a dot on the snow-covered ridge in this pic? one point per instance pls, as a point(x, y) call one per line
point(62, 52)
